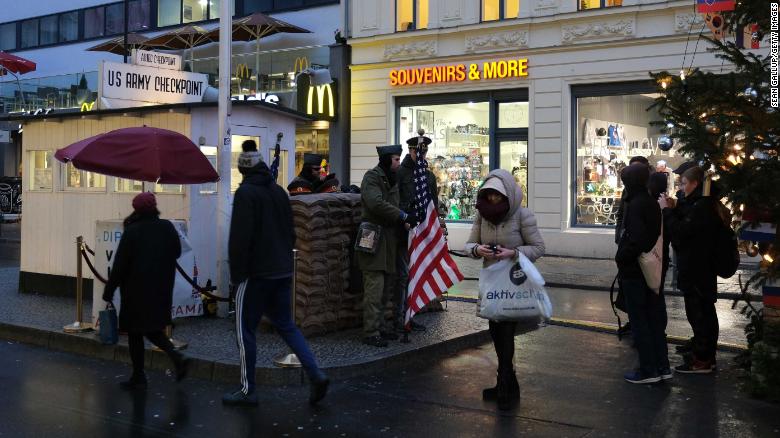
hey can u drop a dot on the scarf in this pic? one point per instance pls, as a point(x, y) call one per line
point(493, 213)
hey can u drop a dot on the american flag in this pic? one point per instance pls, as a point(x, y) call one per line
point(431, 268)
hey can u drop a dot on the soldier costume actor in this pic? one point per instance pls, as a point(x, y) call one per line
point(309, 179)
point(418, 146)
point(377, 244)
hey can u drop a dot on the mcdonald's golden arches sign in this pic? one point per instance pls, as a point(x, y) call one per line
point(318, 101)
point(243, 72)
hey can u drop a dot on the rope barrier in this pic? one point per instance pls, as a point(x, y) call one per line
point(92, 268)
point(204, 290)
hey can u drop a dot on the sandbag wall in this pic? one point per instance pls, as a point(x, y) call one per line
point(329, 293)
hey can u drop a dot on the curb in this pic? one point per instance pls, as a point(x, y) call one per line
point(612, 329)
point(229, 372)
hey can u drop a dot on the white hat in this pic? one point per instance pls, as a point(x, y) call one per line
point(249, 159)
point(495, 184)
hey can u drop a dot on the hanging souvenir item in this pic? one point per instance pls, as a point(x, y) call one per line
point(747, 37)
point(707, 6)
point(716, 24)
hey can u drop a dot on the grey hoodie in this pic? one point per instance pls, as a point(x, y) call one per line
point(517, 230)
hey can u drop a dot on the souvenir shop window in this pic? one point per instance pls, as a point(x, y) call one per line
point(40, 170)
point(609, 131)
point(459, 153)
point(76, 179)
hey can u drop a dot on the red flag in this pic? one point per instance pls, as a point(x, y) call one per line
point(705, 6)
point(432, 271)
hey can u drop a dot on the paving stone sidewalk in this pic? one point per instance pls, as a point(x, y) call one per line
point(597, 274)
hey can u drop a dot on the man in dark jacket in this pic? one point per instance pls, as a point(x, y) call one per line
point(310, 179)
point(144, 270)
point(260, 249)
point(407, 189)
point(646, 309)
point(692, 225)
point(377, 252)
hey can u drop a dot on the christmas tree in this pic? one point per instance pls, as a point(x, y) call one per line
point(726, 122)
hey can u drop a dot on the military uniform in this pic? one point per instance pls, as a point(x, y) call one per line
point(380, 207)
point(305, 183)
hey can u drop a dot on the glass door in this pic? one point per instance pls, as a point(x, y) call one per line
point(513, 157)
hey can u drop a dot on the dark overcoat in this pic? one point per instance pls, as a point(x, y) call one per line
point(145, 270)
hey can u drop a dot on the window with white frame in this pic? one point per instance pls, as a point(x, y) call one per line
point(411, 15)
point(500, 9)
point(211, 154)
point(123, 185)
point(169, 188)
point(75, 179)
point(40, 170)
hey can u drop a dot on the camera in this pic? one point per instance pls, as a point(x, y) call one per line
point(493, 248)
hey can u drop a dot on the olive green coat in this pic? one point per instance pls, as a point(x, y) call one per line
point(408, 188)
point(380, 207)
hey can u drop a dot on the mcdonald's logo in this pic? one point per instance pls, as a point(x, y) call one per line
point(323, 91)
point(87, 106)
point(301, 64)
point(242, 71)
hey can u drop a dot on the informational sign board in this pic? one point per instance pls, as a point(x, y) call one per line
point(149, 58)
point(127, 85)
point(186, 301)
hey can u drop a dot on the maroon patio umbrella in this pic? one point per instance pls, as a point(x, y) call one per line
point(15, 64)
point(141, 153)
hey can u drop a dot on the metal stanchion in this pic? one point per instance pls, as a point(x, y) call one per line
point(290, 360)
point(78, 326)
point(177, 345)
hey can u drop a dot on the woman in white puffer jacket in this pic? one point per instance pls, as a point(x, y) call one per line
point(502, 230)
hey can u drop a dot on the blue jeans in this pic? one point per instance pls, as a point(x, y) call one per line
point(258, 296)
point(647, 312)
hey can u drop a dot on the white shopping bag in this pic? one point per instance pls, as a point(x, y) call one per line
point(513, 291)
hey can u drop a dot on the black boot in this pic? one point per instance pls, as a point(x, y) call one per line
point(490, 394)
point(136, 381)
point(513, 390)
point(502, 392)
point(182, 364)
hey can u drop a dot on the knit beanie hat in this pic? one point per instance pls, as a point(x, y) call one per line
point(145, 202)
point(249, 160)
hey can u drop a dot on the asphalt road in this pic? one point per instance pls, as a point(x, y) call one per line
point(570, 380)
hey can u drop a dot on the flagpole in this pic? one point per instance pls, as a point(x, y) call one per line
point(224, 153)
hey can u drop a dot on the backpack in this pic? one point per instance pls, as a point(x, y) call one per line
point(725, 252)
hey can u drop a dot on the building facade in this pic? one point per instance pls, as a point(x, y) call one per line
point(555, 91)
point(56, 35)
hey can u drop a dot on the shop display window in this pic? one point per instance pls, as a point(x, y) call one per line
point(610, 129)
point(459, 154)
point(40, 170)
point(311, 138)
point(76, 179)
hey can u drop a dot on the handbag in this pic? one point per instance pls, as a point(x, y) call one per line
point(368, 235)
point(651, 263)
point(513, 291)
point(109, 325)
